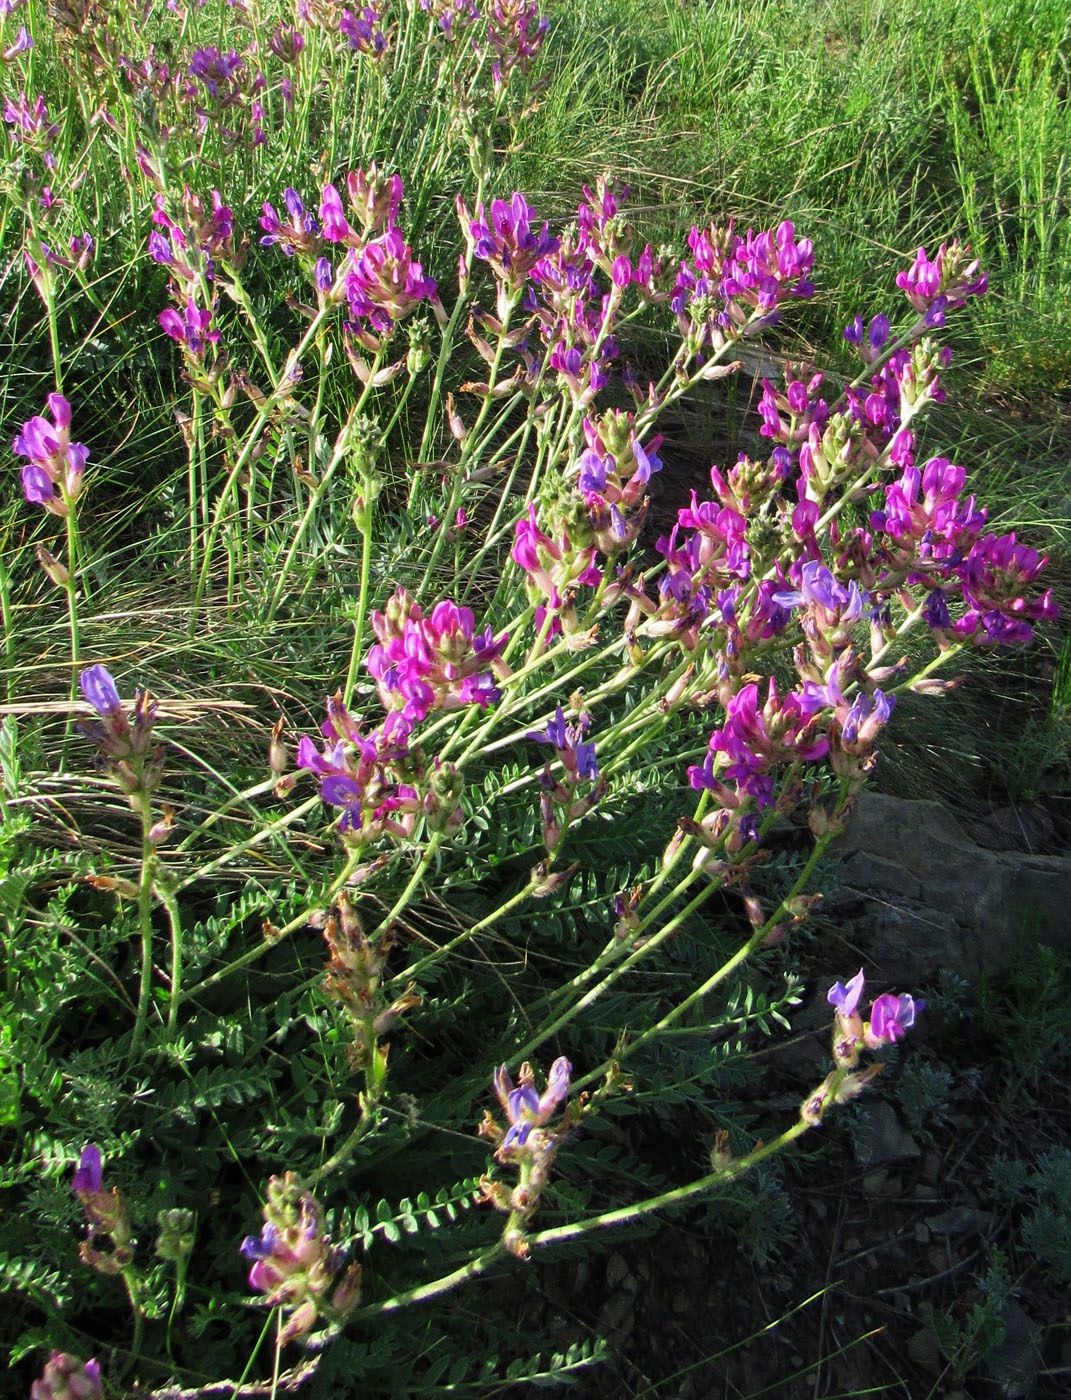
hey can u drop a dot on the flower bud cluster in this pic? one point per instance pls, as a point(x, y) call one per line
point(294, 1263)
point(555, 566)
point(67, 1378)
point(354, 981)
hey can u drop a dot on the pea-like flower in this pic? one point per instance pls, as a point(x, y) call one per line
point(294, 1263)
point(524, 1108)
point(105, 1215)
point(53, 475)
point(439, 662)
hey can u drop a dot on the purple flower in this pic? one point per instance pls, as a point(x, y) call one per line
point(524, 1108)
point(846, 998)
point(99, 689)
point(87, 1176)
point(53, 476)
point(577, 757)
point(192, 329)
point(890, 1018)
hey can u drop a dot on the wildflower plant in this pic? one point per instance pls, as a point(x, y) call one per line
point(418, 483)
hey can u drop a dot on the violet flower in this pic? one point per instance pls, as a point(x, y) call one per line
point(845, 999)
point(578, 758)
point(524, 1108)
point(53, 476)
point(99, 689)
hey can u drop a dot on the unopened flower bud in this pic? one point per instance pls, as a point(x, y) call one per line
point(57, 572)
point(178, 1229)
point(161, 829)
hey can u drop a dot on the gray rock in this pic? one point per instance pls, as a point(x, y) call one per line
point(933, 898)
point(881, 1138)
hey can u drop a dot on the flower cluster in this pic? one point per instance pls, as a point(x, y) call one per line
point(125, 750)
point(529, 1143)
point(106, 1216)
point(943, 283)
point(363, 29)
point(370, 776)
point(294, 1263)
point(736, 285)
point(614, 471)
point(559, 804)
point(515, 32)
point(438, 662)
point(891, 1017)
point(53, 475)
point(223, 92)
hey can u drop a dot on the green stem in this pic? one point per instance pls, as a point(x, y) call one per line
point(342, 446)
point(145, 891)
point(366, 516)
point(473, 1269)
point(280, 390)
point(740, 956)
point(415, 969)
point(626, 1214)
point(174, 920)
point(253, 955)
point(345, 1152)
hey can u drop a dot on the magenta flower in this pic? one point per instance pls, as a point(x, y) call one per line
point(53, 476)
point(384, 284)
point(507, 240)
point(890, 1019)
point(192, 329)
point(934, 286)
point(430, 663)
point(333, 217)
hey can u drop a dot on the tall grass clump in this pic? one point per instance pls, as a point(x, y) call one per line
point(318, 1010)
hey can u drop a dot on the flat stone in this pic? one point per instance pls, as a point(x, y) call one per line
point(881, 1139)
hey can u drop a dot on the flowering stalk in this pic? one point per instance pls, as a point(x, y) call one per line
point(52, 478)
point(125, 751)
